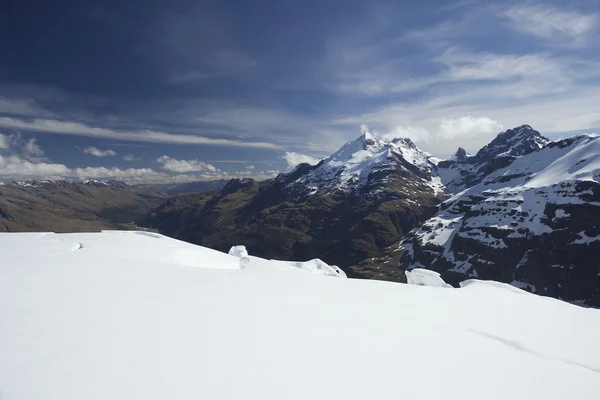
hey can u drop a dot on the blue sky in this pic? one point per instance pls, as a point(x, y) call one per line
point(153, 91)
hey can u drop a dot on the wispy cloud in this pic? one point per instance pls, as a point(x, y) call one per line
point(16, 144)
point(174, 165)
point(131, 157)
point(23, 107)
point(76, 128)
point(93, 151)
point(551, 23)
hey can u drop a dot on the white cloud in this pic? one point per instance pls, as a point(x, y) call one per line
point(14, 166)
point(250, 167)
point(416, 134)
point(32, 148)
point(130, 157)
point(76, 128)
point(93, 151)
point(465, 127)
point(294, 159)
point(551, 23)
point(447, 129)
point(171, 164)
point(15, 144)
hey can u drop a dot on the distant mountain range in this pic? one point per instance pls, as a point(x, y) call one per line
point(62, 206)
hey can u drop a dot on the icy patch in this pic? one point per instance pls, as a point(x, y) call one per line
point(425, 277)
point(560, 213)
point(585, 239)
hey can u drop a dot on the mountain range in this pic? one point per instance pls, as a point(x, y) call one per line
point(350, 206)
point(62, 206)
point(523, 210)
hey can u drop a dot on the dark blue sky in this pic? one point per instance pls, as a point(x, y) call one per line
point(146, 90)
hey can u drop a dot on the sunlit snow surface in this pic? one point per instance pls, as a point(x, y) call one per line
point(139, 316)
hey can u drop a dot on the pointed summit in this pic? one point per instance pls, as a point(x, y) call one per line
point(514, 142)
point(460, 155)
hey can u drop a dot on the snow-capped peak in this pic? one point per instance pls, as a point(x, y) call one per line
point(351, 166)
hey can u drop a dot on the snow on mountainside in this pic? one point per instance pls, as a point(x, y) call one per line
point(462, 170)
point(534, 224)
point(361, 162)
point(120, 315)
point(350, 206)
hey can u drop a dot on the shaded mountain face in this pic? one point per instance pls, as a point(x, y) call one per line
point(363, 198)
point(62, 206)
point(173, 189)
point(462, 171)
point(534, 224)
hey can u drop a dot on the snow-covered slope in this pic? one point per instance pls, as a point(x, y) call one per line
point(139, 316)
point(535, 224)
point(366, 160)
point(462, 170)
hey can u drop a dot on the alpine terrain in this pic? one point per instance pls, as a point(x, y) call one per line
point(532, 219)
point(348, 207)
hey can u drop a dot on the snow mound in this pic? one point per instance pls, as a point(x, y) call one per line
point(477, 284)
point(238, 251)
point(319, 267)
point(424, 277)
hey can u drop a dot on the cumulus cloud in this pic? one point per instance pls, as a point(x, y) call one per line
point(173, 165)
point(551, 23)
point(448, 128)
point(14, 167)
point(250, 167)
point(93, 151)
point(465, 127)
point(130, 157)
point(3, 142)
point(294, 159)
point(416, 134)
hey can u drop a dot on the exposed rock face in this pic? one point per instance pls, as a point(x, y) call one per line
point(534, 224)
point(462, 171)
point(62, 206)
point(460, 155)
point(363, 198)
